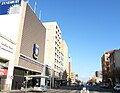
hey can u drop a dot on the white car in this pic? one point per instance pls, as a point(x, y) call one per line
point(117, 87)
point(42, 88)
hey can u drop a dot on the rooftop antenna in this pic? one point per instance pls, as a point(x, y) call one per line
point(40, 14)
point(35, 5)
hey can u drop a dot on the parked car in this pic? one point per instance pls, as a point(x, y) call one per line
point(41, 88)
point(117, 87)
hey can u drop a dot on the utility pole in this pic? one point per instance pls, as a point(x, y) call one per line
point(69, 71)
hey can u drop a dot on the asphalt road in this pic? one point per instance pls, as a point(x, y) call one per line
point(72, 89)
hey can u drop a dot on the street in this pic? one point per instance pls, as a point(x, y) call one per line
point(73, 89)
point(64, 89)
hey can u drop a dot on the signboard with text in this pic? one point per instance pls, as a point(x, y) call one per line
point(10, 7)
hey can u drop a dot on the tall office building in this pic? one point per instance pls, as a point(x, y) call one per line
point(53, 50)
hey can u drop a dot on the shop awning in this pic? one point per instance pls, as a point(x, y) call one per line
point(32, 76)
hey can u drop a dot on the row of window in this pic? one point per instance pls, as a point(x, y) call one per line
point(57, 51)
point(58, 33)
point(57, 45)
point(57, 30)
point(56, 67)
point(56, 73)
point(57, 56)
point(58, 38)
point(56, 61)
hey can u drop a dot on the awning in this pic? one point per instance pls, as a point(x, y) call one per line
point(41, 76)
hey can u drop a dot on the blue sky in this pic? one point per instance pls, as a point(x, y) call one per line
point(89, 27)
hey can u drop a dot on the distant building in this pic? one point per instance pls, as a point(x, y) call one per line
point(64, 49)
point(111, 67)
point(73, 77)
point(98, 75)
point(105, 66)
point(115, 66)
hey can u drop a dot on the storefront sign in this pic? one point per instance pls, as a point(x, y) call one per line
point(35, 51)
point(10, 7)
point(5, 46)
point(11, 77)
point(3, 72)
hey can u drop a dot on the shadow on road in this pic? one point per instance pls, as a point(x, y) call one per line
point(103, 90)
point(70, 87)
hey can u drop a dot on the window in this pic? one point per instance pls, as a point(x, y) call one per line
point(107, 64)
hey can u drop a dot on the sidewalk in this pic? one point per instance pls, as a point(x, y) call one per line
point(18, 91)
point(12, 91)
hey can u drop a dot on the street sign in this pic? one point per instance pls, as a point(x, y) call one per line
point(11, 77)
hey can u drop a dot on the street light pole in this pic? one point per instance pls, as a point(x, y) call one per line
point(26, 81)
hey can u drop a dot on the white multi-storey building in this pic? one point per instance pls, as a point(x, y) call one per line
point(53, 50)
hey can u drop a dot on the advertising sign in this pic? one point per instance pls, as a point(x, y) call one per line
point(6, 46)
point(10, 7)
point(3, 72)
point(35, 51)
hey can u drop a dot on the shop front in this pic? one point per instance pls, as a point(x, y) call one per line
point(7, 49)
point(21, 80)
point(3, 74)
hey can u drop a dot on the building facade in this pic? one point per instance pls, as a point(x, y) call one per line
point(105, 66)
point(22, 45)
point(64, 49)
point(73, 77)
point(53, 53)
point(115, 66)
point(111, 67)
